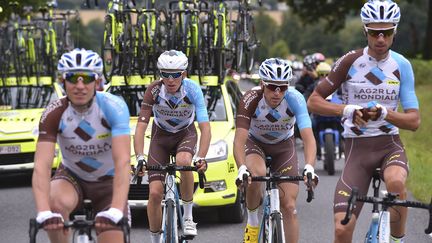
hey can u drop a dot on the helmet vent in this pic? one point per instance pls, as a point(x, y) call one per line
point(381, 12)
point(78, 59)
point(279, 71)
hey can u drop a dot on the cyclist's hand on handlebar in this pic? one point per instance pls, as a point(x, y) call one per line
point(141, 161)
point(310, 169)
point(50, 220)
point(243, 172)
point(201, 164)
point(108, 219)
point(355, 114)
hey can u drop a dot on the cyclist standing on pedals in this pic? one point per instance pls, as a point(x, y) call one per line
point(175, 102)
point(374, 73)
point(92, 130)
point(265, 127)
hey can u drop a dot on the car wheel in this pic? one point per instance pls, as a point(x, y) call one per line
point(234, 213)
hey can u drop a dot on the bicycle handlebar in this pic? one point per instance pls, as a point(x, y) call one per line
point(387, 200)
point(172, 168)
point(79, 223)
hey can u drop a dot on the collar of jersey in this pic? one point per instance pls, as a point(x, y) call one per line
point(365, 52)
point(180, 94)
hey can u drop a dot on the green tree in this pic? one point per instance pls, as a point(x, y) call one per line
point(335, 13)
point(279, 49)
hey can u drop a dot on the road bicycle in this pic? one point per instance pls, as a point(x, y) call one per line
point(379, 229)
point(172, 218)
point(83, 226)
point(271, 227)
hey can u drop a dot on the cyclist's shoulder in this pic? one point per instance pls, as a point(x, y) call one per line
point(348, 59)
point(399, 58)
point(190, 85)
point(110, 103)
point(56, 106)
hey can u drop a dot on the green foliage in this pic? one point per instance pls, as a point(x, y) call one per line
point(422, 72)
point(7, 10)
point(417, 144)
point(279, 49)
point(89, 36)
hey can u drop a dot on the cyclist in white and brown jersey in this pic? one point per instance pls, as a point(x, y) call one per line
point(175, 102)
point(265, 127)
point(92, 131)
point(374, 81)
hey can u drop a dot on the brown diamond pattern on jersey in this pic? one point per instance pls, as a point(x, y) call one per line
point(82, 134)
point(384, 129)
point(105, 124)
point(187, 100)
point(289, 112)
point(357, 131)
point(374, 79)
point(397, 74)
point(85, 167)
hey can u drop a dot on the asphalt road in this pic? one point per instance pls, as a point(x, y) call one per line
point(315, 218)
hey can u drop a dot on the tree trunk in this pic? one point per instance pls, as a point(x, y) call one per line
point(427, 52)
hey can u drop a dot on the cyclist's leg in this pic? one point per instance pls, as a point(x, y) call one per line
point(185, 151)
point(65, 195)
point(160, 146)
point(100, 193)
point(256, 165)
point(395, 171)
point(358, 171)
point(285, 162)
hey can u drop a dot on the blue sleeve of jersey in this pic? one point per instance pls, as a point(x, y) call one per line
point(408, 97)
point(116, 112)
point(196, 96)
point(298, 105)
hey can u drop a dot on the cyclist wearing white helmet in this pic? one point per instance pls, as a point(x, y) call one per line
point(265, 127)
point(176, 102)
point(92, 131)
point(374, 81)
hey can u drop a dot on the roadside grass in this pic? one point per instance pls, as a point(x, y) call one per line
point(418, 145)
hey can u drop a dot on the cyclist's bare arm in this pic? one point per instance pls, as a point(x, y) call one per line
point(205, 138)
point(121, 157)
point(140, 130)
point(409, 119)
point(317, 103)
point(43, 161)
point(309, 145)
point(240, 139)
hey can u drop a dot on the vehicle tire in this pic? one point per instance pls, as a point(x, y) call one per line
point(277, 230)
point(329, 157)
point(169, 227)
point(234, 213)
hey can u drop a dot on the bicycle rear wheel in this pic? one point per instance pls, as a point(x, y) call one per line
point(109, 55)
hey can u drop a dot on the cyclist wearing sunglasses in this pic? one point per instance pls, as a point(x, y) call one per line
point(265, 127)
point(176, 102)
point(92, 131)
point(374, 81)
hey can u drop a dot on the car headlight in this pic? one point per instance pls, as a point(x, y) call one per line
point(217, 151)
point(35, 131)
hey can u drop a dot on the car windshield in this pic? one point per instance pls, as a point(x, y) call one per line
point(133, 96)
point(26, 97)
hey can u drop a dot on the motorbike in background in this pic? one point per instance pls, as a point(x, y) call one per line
point(328, 131)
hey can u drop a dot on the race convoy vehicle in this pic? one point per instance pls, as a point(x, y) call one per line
point(22, 102)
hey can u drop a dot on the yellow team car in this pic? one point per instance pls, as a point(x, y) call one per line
point(22, 102)
point(220, 191)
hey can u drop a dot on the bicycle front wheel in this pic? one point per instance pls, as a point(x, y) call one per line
point(277, 230)
point(170, 223)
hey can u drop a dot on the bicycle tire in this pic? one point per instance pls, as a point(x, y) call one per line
point(108, 51)
point(329, 156)
point(143, 48)
point(219, 55)
point(251, 44)
point(170, 224)
point(277, 230)
point(239, 45)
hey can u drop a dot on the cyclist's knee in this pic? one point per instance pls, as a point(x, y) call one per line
point(183, 159)
point(396, 186)
point(344, 233)
point(155, 195)
point(288, 210)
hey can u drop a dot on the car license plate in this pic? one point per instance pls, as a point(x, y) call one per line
point(12, 149)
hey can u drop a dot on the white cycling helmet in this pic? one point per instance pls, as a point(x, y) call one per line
point(172, 60)
point(80, 60)
point(380, 11)
point(275, 70)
